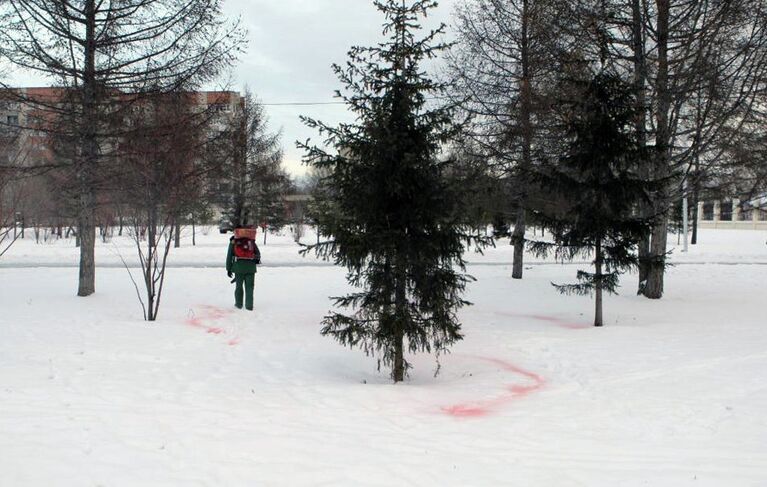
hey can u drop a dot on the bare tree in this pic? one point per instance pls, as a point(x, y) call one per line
point(98, 49)
point(9, 199)
point(12, 188)
point(253, 176)
point(163, 171)
point(502, 67)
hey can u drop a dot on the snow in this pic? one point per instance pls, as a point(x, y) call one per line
point(668, 393)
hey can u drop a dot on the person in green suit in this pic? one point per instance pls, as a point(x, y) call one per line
point(244, 275)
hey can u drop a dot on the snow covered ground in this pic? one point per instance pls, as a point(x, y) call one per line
point(716, 246)
point(669, 393)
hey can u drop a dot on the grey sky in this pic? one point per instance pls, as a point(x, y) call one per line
point(292, 44)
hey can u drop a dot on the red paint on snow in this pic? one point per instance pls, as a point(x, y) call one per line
point(550, 319)
point(483, 407)
point(196, 322)
point(211, 313)
point(464, 411)
point(523, 390)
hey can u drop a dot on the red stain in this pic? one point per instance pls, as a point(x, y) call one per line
point(211, 313)
point(479, 408)
point(523, 390)
point(463, 411)
point(549, 319)
point(196, 322)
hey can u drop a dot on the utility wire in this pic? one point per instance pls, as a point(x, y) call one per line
point(319, 103)
point(300, 104)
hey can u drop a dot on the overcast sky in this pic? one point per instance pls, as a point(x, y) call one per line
point(292, 44)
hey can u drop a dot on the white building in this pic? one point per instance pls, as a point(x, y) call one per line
point(734, 214)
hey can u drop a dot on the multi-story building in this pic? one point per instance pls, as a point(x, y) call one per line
point(28, 118)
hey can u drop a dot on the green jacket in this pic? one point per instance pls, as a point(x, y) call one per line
point(240, 266)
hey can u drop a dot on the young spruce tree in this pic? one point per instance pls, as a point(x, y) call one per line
point(597, 187)
point(391, 214)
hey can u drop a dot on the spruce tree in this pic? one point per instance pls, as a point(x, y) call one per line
point(597, 186)
point(391, 213)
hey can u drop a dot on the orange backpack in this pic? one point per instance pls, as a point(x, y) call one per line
point(245, 243)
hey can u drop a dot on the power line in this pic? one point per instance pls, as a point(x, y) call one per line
point(320, 103)
point(302, 104)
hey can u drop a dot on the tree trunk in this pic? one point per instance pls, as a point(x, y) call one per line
point(695, 198)
point(150, 257)
point(400, 304)
point(654, 286)
point(86, 230)
point(598, 299)
point(526, 107)
point(640, 87)
point(398, 369)
point(194, 234)
point(177, 235)
point(518, 239)
point(86, 237)
point(643, 255)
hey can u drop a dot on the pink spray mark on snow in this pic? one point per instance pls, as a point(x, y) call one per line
point(208, 314)
point(549, 319)
point(484, 407)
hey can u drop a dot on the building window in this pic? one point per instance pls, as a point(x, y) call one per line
point(708, 211)
point(726, 211)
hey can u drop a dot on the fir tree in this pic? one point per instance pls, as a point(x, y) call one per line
point(391, 213)
point(597, 187)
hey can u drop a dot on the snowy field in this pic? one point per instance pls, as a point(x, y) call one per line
point(670, 393)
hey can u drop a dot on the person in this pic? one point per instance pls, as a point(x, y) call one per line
point(243, 268)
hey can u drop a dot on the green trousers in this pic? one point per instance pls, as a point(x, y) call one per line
point(248, 280)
